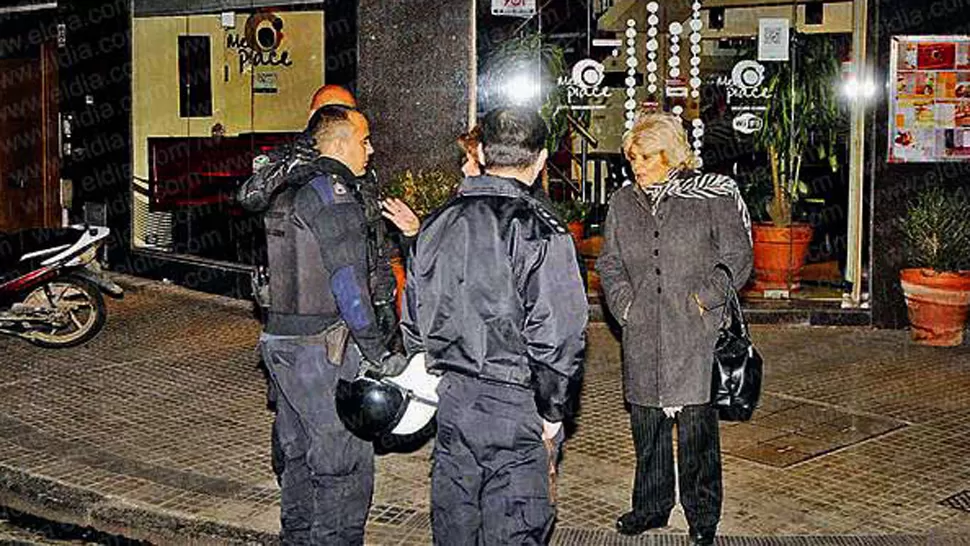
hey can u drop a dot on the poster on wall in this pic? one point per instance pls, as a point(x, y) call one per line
point(929, 107)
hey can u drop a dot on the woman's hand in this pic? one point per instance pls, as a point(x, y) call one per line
point(401, 216)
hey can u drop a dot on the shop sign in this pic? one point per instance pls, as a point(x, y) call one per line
point(585, 82)
point(745, 84)
point(517, 8)
point(260, 43)
point(265, 82)
point(676, 87)
point(746, 95)
point(773, 39)
point(747, 123)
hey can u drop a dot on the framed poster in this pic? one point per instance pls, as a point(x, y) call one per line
point(929, 102)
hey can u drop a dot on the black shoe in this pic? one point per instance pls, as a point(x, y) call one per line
point(703, 537)
point(633, 524)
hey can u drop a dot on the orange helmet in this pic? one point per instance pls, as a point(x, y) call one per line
point(332, 95)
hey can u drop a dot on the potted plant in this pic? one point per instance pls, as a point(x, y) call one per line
point(424, 191)
point(802, 122)
point(936, 232)
point(525, 70)
point(573, 212)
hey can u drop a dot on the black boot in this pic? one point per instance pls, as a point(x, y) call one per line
point(632, 523)
point(702, 537)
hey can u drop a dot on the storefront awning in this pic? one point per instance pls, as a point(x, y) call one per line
point(147, 8)
point(26, 5)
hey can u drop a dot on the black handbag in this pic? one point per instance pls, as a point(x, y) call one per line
point(736, 385)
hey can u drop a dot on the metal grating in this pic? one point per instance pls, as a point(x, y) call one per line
point(585, 537)
point(390, 514)
point(960, 501)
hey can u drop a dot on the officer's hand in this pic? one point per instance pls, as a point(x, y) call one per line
point(386, 316)
point(393, 364)
point(550, 430)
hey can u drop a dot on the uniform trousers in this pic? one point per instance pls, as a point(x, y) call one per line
point(327, 473)
point(490, 478)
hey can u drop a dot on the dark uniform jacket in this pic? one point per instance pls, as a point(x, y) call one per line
point(651, 265)
point(494, 292)
point(316, 241)
point(272, 172)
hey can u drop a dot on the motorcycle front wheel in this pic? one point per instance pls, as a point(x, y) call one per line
point(79, 307)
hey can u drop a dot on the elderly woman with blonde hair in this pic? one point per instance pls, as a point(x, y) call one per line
point(663, 238)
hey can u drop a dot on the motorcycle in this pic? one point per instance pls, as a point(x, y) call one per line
point(51, 285)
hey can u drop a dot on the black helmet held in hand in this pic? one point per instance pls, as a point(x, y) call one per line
point(400, 404)
point(369, 408)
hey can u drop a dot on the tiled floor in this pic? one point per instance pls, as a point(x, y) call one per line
point(158, 427)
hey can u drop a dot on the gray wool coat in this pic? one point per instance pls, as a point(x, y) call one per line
point(650, 267)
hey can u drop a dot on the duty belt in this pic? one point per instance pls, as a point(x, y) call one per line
point(500, 373)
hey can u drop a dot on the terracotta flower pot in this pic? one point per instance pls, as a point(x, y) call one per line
point(397, 266)
point(779, 254)
point(576, 230)
point(591, 246)
point(937, 305)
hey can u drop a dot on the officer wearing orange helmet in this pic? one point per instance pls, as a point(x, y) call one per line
point(330, 95)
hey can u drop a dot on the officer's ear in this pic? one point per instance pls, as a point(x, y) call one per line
point(540, 163)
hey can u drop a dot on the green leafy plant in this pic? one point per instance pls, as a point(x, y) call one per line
point(530, 56)
point(936, 231)
point(572, 210)
point(756, 190)
point(803, 119)
point(424, 190)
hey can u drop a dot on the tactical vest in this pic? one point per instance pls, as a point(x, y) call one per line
point(298, 280)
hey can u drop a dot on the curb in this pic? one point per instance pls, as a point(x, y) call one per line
point(53, 500)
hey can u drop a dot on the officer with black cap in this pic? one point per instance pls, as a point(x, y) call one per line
point(495, 299)
point(322, 327)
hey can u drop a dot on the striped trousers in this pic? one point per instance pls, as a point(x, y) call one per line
point(698, 463)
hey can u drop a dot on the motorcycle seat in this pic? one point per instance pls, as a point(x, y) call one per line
point(21, 251)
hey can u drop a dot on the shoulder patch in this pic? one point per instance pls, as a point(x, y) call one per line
point(331, 190)
point(548, 219)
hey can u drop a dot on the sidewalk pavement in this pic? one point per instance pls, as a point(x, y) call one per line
point(157, 430)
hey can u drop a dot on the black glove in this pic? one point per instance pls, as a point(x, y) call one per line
point(386, 315)
point(392, 364)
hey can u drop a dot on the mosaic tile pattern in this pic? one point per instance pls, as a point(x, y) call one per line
point(860, 434)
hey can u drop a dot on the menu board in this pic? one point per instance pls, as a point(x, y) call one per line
point(929, 107)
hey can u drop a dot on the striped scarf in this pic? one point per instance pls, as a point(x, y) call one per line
point(694, 185)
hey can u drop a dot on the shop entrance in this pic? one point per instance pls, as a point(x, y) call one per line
point(764, 90)
point(28, 143)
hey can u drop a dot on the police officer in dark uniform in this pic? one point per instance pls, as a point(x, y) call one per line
point(322, 327)
point(269, 172)
point(495, 298)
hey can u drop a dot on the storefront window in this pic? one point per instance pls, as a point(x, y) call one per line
point(761, 91)
point(210, 91)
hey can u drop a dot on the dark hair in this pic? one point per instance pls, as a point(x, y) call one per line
point(327, 118)
point(512, 137)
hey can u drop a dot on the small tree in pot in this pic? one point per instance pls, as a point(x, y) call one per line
point(937, 283)
point(802, 122)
